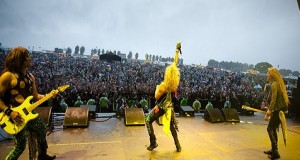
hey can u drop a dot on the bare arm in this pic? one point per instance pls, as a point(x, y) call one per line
point(5, 80)
point(35, 94)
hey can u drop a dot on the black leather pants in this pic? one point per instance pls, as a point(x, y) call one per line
point(273, 126)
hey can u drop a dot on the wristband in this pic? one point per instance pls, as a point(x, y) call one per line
point(7, 111)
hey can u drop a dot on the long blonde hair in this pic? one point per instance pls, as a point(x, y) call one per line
point(276, 76)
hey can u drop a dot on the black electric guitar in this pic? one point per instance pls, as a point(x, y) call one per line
point(25, 110)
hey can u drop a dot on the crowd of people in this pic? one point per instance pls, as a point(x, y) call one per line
point(93, 79)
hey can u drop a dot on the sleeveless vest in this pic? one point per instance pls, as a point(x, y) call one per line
point(23, 88)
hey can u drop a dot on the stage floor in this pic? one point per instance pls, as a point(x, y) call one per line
point(111, 139)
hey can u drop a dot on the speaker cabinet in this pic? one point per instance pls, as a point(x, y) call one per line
point(92, 110)
point(44, 114)
point(230, 115)
point(76, 117)
point(298, 81)
point(187, 110)
point(213, 115)
point(134, 117)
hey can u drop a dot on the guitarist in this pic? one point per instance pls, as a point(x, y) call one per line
point(16, 84)
point(278, 105)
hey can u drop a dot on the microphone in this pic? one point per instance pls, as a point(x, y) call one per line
point(180, 50)
point(178, 46)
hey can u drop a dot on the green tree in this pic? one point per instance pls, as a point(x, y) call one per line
point(213, 63)
point(69, 51)
point(285, 72)
point(93, 51)
point(76, 50)
point(262, 67)
point(129, 56)
point(136, 55)
point(82, 49)
point(296, 73)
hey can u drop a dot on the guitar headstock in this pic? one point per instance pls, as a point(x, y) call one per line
point(63, 88)
point(245, 107)
point(178, 46)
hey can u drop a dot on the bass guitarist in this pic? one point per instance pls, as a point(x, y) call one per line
point(16, 84)
point(275, 114)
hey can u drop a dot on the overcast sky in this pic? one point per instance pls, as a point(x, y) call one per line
point(245, 31)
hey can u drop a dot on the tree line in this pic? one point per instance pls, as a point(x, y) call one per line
point(261, 67)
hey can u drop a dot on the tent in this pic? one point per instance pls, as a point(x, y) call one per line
point(110, 57)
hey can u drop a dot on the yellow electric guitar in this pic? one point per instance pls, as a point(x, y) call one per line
point(255, 110)
point(25, 110)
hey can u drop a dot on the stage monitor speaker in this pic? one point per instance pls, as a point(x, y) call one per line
point(187, 110)
point(92, 110)
point(76, 117)
point(213, 115)
point(45, 114)
point(230, 115)
point(134, 117)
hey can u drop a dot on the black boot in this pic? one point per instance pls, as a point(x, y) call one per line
point(274, 155)
point(269, 152)
point(152, 146)
point(178, 147)
point(153, 143)
point(47, 157)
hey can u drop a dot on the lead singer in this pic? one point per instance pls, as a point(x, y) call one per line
point(164, 94)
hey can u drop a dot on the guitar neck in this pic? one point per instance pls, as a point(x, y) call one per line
point(253, 109)
point(47, 96)
point(257, 110)
point(39, 102)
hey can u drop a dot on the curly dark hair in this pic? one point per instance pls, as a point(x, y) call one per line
point(15, 59)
